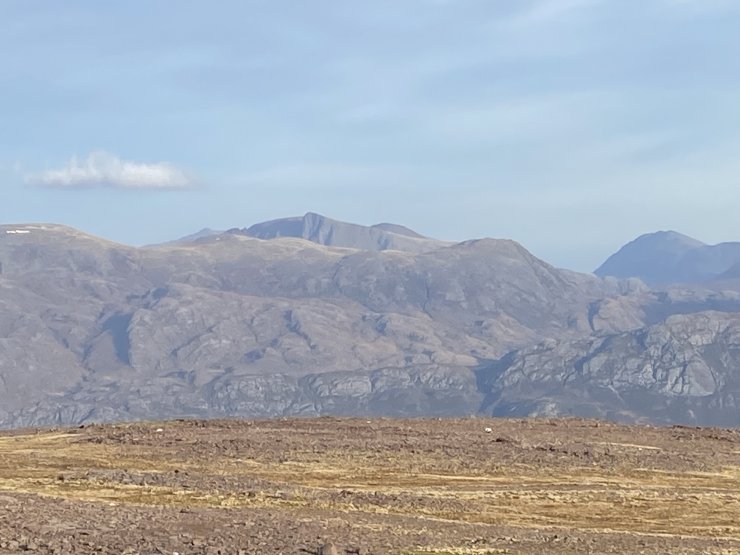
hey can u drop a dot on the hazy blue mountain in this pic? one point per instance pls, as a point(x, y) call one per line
point(205, 232)
point(668, 257)
point(652, 257)
point(398, 229)
point(709, 262)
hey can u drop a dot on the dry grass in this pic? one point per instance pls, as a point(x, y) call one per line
point(582, 495)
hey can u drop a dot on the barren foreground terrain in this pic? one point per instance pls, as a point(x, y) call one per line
point(469, 486)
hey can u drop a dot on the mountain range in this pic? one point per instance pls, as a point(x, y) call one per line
point(312, 316)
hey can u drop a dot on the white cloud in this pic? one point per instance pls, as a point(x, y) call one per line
point(102, 169)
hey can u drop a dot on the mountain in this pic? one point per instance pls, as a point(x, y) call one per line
point(202, 234)
point(232, 325)
point(668, 257)
point(333, 233)
point(712, 262)
point(652, 257)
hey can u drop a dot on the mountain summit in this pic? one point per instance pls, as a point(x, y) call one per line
point(335, 233)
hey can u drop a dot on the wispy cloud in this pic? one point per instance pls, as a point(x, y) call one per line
point(102, 169)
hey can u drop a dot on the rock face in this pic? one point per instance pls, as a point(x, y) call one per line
point(667, 257)
point(685, 369)
point(233, 325)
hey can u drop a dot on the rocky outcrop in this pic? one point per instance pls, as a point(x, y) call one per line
point(685, 369)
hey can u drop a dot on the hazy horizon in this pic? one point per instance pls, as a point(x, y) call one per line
point(570, 126)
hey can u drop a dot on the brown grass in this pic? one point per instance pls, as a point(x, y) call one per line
point(582, 495)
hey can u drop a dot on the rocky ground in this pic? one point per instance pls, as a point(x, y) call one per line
point(407, 487)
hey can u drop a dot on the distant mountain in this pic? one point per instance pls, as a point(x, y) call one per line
point(732, 273)
point(652, 257)
point(711, 262)
point(399, 230)
point(668, 257)
point(333, 233)
point(203, 233)
point(232, 325)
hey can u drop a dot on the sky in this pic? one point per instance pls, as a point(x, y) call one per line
point(571, 126)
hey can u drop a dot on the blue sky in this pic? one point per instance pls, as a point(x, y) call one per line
point(569, 125)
